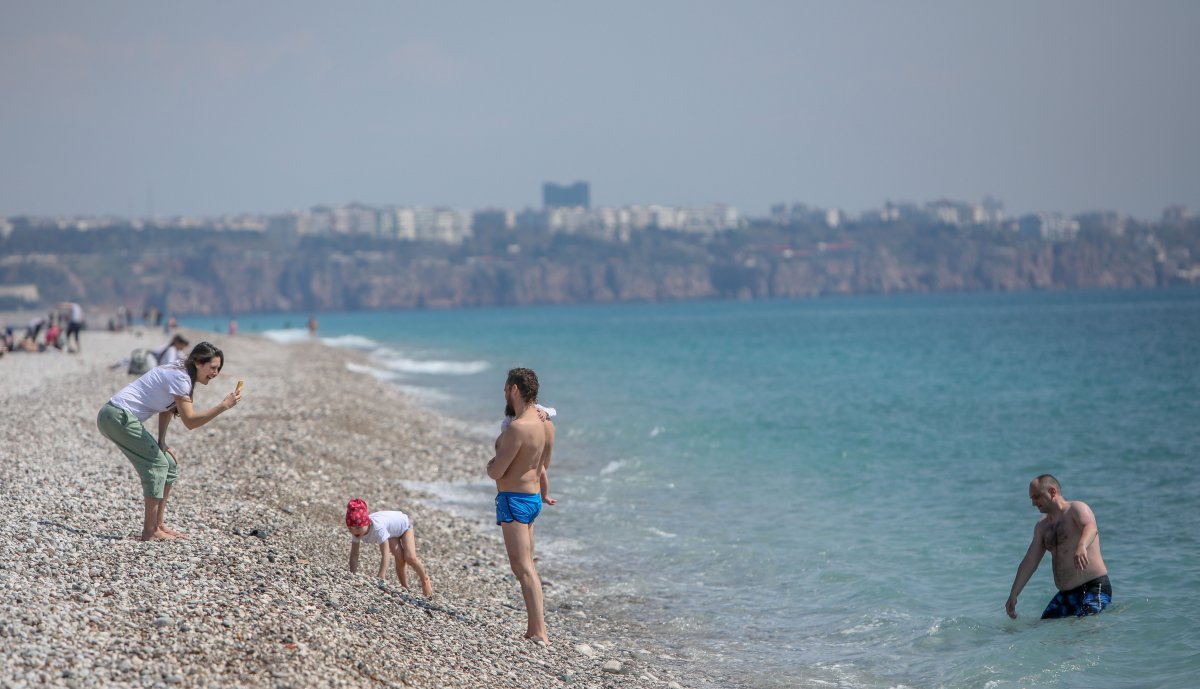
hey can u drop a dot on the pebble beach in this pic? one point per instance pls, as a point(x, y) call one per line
point(260, 594)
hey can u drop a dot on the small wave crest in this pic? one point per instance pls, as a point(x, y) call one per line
point(612, 466)
point(396, 361)
point(287, 335)
point(377, 374)
point(358, 342)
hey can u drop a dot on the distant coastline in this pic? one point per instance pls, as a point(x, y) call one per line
point(222, 273)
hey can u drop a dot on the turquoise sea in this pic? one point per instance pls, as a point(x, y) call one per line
point(832, 493)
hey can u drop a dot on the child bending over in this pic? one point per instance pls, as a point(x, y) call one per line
point(391, 531)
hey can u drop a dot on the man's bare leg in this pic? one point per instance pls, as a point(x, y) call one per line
point(162, 510)
point(518, 541)
point(408, 544)
point(150, 530)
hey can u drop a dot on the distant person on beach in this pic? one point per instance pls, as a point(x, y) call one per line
point(519, 469)
point(53, 333)
point(392, 532)
point(232, 327)
point(312, 326)
point(167, 392)
point(173, 351)
point(74, 325)
point(1068, 530)
point(34, 327)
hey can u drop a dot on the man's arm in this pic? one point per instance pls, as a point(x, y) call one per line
point(507, 446)
point(1029, 565)
point(353, 558)
point(1088, 531)
point(192, 419)
point(544, 474)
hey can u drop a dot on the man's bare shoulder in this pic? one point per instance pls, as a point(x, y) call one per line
point(1080, 511)
point(525, 426)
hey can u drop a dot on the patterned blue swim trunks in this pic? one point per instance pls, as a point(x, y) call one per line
point(1081, 601)
point(518, 507)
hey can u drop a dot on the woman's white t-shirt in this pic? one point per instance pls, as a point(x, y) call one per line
point(384, 525)
point(155, 391)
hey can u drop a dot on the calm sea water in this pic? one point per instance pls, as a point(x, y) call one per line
point(833, 492)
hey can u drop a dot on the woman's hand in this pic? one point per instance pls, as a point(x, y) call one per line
point(231, 400)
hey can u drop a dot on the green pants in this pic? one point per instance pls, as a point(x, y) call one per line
point(155, 467)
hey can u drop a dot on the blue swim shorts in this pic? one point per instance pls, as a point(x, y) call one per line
point(518, 507)
point(1081, 601)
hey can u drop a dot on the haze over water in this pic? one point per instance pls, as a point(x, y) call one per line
point(833, 492)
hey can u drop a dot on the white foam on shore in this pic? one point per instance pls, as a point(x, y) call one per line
point(377, 374)
point(396, 361)
point(358, 342)
point(612, 466)
point(385, 357)
point(287, 336)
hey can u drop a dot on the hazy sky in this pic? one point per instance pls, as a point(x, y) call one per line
point(216, 107)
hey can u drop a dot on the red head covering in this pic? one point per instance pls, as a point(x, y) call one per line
point(356, 513)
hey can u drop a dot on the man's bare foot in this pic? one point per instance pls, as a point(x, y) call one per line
point(156, 536)
point(427, 588)
point(171, 532)
point(543, 640)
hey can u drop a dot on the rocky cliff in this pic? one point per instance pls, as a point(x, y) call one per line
point(209, 273)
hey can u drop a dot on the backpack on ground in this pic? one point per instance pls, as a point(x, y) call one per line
point(141, 360)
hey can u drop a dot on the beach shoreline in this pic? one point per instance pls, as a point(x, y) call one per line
point(261, 595)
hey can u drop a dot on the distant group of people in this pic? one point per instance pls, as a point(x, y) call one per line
point(57, 331)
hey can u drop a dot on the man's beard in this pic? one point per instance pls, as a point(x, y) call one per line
point(508, 410)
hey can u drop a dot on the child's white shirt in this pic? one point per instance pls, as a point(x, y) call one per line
point(384, 525)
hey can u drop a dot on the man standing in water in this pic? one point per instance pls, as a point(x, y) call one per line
point(520, 471)
point(1068, 530)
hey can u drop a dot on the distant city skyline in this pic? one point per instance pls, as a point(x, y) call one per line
point(133, 108)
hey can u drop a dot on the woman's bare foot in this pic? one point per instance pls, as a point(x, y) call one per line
point(157, 535)
point(529, 636)
point(427, 588)
point(171, 532)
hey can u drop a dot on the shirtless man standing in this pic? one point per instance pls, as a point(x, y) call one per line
point(522, 483)
point(1069, 532)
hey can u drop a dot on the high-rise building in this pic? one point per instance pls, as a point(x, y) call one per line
point(576, 195)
